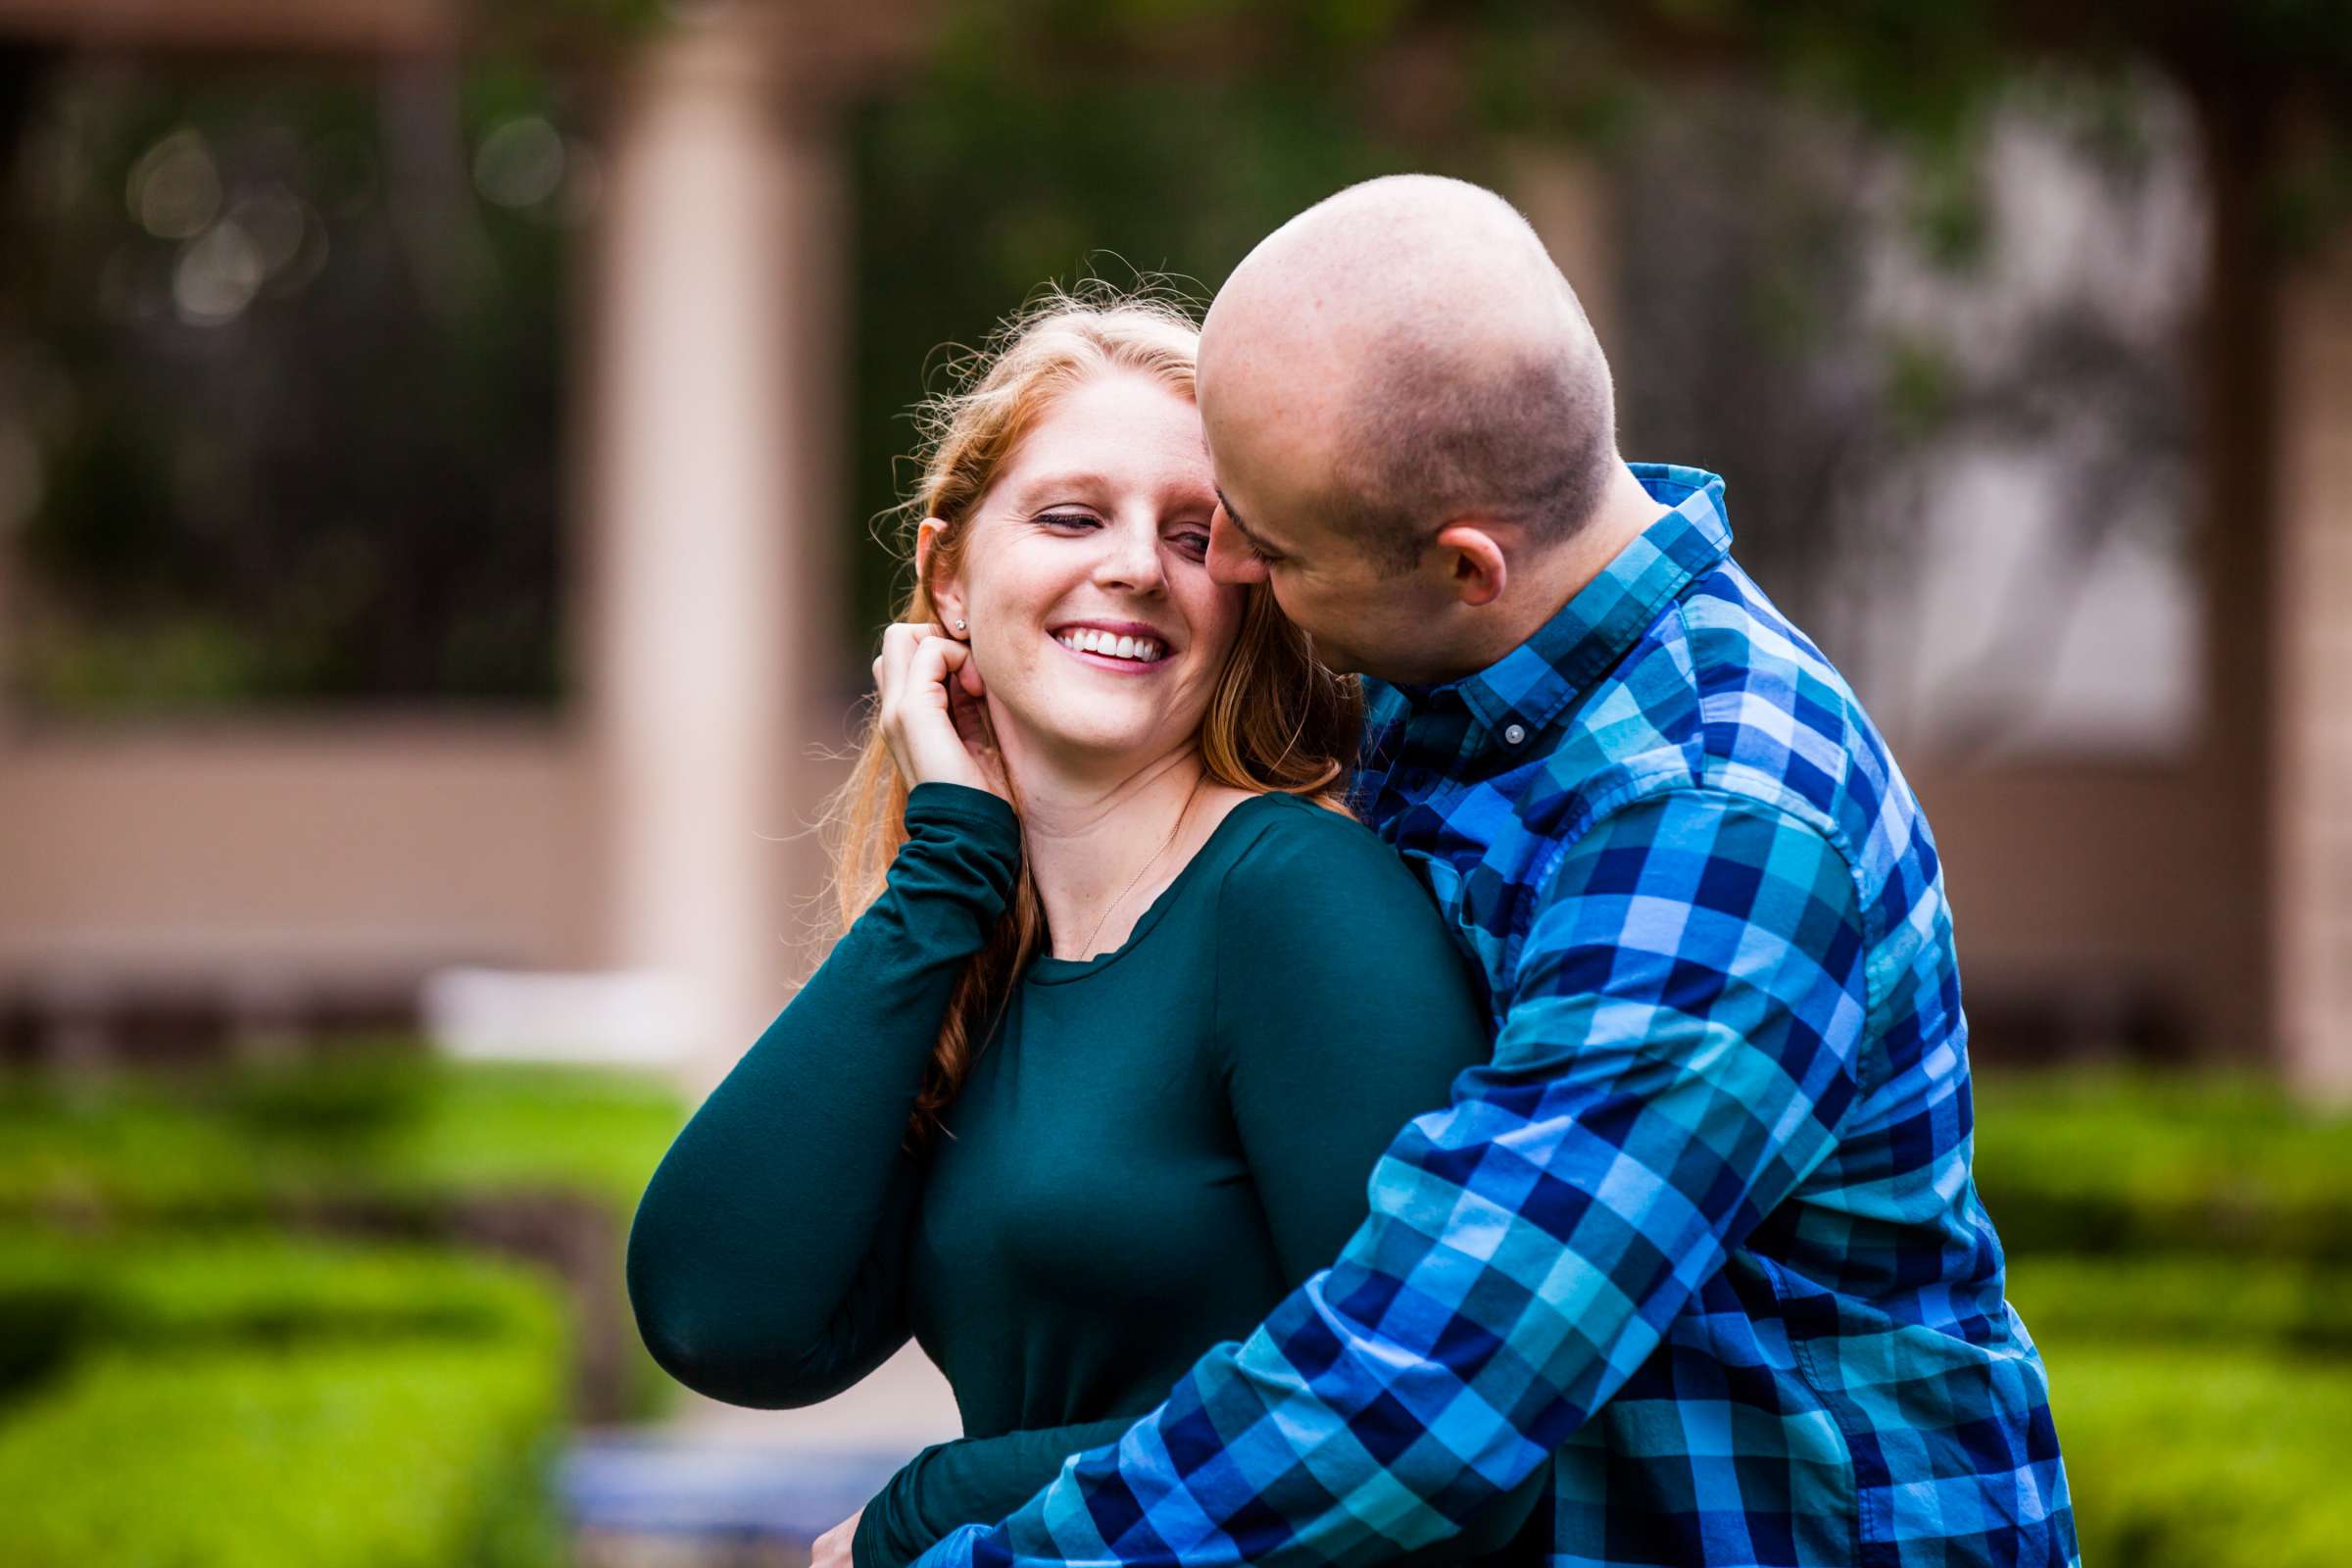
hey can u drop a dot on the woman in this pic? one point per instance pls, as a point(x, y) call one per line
point(1126, 1006)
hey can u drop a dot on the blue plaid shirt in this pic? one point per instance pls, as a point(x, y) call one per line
point(1702, 1236)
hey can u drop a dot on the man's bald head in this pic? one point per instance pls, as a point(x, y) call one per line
point(1407, 350)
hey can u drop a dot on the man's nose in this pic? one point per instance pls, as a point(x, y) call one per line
point(1230, 559)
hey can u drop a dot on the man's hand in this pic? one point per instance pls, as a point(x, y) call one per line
point(832, 1548)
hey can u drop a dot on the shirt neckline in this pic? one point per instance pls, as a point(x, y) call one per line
point(1529, 686)
point(1046, 969)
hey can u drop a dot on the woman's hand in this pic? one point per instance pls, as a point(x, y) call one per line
point(931, 710)
point(832, 1548)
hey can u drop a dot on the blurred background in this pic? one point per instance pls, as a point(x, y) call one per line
point(441, 450)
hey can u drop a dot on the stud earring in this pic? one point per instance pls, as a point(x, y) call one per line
point(960, 623)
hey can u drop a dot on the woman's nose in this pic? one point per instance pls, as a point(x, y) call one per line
point(1131, 556)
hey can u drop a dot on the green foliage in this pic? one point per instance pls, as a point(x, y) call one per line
point(2205, 1455)
point(987, 180)
point(2113, 1163)
point(2178, 1250)
point(379, 1136)
point(414, 1454)
point(2183, 1300)
point(250, 1402)
point(161, 1291)
point(391, 1126)
point(553, 24)
point(1923, 75)
point(290, 370)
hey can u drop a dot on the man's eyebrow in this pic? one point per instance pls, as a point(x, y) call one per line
point(1245, 529)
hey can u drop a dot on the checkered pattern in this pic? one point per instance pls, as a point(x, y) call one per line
point(1702, 1236)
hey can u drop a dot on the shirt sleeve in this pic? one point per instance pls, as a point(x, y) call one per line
point(766, 1260)
point(967, 1480)
point(1680, 1040)
point(1293, 1026)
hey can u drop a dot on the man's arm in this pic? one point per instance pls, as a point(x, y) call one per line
point(952, 1483)
point(1680, 1043)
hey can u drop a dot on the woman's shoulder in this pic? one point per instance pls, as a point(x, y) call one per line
point(1298, 852)
point(1325, 940)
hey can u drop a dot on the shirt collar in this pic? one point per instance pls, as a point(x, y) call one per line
point(1531, 685)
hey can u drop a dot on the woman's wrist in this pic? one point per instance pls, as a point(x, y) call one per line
point(962, 842)
point(943, 799)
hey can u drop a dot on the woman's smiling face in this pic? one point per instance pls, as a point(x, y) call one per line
point(1095, 624)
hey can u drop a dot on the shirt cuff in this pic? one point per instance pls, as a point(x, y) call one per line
point(952, 1551)
point(960, 803)
point(867, 1547)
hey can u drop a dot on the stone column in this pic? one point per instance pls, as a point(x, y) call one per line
point(2312, 780)
point(709, 647)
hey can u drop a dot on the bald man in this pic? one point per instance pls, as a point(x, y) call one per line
point(1703, 1238)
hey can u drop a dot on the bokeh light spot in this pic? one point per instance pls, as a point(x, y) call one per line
point(174, 190)
point(519, 164)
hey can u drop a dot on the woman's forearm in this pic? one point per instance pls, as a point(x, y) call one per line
point(982, 1479)
point(765, 1258)
point(967, 1480)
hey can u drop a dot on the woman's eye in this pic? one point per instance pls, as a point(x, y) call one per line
point(1194, 544)
point(1066, 519)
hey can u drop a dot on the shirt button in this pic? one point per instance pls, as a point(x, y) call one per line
point(1513, 734)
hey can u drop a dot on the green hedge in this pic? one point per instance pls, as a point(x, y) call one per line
point(2106, 1162)
point(152, 1294)
point(385, 1125)
point(185, 1385)
point(2185, 1299)
point(374, 1137)
point(2203, 1402)
point(251, 1402)
point(2206, 1456)
point(2180, 1249)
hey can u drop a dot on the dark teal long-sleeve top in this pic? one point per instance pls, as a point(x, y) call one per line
point(1152, 1147)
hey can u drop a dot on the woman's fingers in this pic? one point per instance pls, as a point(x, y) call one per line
point(899, 642)
point(893, 666)
point(974, 727)
point(917, 675)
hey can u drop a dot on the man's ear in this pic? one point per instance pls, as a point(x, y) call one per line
point(947, 597)
point(1473, 563)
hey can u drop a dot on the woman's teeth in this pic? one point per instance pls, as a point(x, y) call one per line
point(1086, 640)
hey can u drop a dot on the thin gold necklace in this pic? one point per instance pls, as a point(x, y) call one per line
point(1086, 947)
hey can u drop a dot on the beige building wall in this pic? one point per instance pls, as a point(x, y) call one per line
point(2083, 894)
point(281, 860)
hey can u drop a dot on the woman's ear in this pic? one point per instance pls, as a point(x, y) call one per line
point(947, 597)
